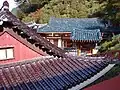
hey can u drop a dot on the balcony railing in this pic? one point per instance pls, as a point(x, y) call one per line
point(71, 50)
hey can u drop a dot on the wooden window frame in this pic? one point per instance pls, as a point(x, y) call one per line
point(6, 48)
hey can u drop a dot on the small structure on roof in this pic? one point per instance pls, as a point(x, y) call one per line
point(34, 25)
point(82, 34)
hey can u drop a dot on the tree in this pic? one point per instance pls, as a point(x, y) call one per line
point(113, 44)
point(67, 9)
point(111, 11)
point(105, 9)
point(33, 16)
point(28, 6)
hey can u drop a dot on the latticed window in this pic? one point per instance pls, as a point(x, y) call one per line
point(6, 53)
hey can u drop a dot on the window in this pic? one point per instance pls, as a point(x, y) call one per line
point(6, 53)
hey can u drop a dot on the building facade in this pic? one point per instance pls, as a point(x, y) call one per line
point(13, 48)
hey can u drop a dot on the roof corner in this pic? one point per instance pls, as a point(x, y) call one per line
point(5, 6)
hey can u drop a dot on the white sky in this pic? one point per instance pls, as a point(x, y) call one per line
point(11, 4)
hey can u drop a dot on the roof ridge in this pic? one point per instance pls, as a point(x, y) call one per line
point(25, 61)
point(51, 58)
point(51, 18)
point(5, 6)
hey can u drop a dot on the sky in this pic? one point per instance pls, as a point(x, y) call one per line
point(11, 4)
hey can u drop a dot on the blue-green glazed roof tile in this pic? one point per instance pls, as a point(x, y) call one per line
point(81, 29)
point(92, 35)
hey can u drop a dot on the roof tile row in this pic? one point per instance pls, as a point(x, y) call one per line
point(49, 73)
point(93, 35)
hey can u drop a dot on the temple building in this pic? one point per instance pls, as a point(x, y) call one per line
point(73, 34)
point(78, 36)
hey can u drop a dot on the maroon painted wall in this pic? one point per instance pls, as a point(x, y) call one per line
point(112, 84)
point(21, 51)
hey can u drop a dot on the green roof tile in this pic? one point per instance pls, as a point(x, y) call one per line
point(81, 29)
point(92, 35)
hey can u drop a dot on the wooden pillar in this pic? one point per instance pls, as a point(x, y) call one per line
point(78, 52)
point(60, 42)
point(95, 50)
point(78, 49)
point(63, 44)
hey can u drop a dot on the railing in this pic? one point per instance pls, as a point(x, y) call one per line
point(71, 50)
point(111, 54)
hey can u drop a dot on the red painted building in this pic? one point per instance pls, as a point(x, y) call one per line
point(14, 48)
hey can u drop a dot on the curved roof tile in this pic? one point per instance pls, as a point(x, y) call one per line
point(69, 24)
point(90, 35)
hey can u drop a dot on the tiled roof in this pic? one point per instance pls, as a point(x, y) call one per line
point(50, 73)
point(49, 28)
point(80, 29)
point(69, 24)
point(8, 20)
point(90, 35)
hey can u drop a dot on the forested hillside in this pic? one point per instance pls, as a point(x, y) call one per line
point(41, 11)
point(113, 44)
point(111, 13)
